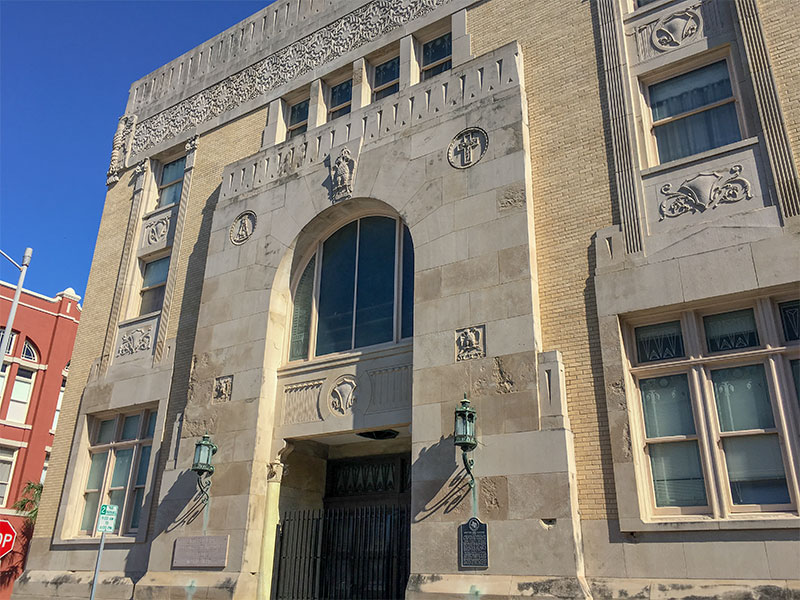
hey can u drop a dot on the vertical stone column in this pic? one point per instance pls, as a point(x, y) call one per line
point(362, 90)
point(409, 62)
point(317, 110)
point(275, 131)
point(461, 48)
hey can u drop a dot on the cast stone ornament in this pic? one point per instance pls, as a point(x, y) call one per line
point(156, 231)
point(191, 144)
point(243, 227)
point(138, 340)
point(703, 191)
point(343, 396)
point(353, 30)
point(223, 387)
point(119, 148)
point(342, 174)
point(470, 342)
point(467, 148)
point(140, 167)
point(677, 28)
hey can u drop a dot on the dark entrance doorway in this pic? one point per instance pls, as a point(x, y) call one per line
point(357, 547)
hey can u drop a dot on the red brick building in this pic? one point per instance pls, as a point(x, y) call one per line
point(32, 379)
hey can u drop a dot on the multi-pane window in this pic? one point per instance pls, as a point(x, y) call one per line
point(119, 456)
point(29, 352)
point(716, 411)
point(154, 283)
point(6, 467)
point(20, 396)
point(171, 183)
point(694, 112)
point(298, 119)
point(11, 339)
point(356, 291)
point(341, 96)
point(387, 79)
point(436, 56)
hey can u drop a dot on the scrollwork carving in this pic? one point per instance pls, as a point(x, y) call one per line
point(673, 30)
point(156, 231)
point(342, 397)
point(138, 340)
point(704, 191)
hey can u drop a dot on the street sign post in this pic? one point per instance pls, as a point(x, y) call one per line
point(105, 524)
point(8, 536)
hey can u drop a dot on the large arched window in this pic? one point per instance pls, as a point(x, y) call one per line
point(356, 290)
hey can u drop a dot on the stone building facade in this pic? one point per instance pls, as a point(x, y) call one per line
point(332, 221)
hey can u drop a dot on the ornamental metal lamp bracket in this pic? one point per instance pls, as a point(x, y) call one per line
point(465, 435)
point(204, 449)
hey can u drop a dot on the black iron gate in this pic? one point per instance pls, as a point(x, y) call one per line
point(352, 553)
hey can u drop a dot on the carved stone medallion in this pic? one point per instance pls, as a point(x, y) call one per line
point(468, 147)
point(343, 170)
point(343, 396)
point(138, 340)
point(676, 29)
point(223, 388)
point(157, 230)
point(704, 190)
point(243, 227)
point(471, 342)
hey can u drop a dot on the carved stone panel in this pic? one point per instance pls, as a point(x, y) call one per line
point(301, 402)
point(678, 28)
point(200, 552)
point(342, 173)
point(223, 388)
point(468, 147)
point(158, 231)
point(471, 342)
point(243, 227)
point(391, 389)
point(135, 340)
point(704, 191)
point(342, 397)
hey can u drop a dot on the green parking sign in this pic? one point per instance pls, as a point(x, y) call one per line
point(108, 518)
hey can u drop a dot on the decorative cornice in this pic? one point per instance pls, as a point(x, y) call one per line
point(324, 45)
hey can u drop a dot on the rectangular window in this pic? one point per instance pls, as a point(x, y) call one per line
point(729, 386)
point(58, 405)
point(436, 56)
point(154, 283)
point(298, 119)
point(694, 112)
point(44, 468)
point(7, 456)
point(341, 97)
point(387, 79)
point(119, 457)
point(20, 396)
point(11, 339)
point(171, 183)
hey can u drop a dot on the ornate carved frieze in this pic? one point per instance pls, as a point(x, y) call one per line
point(135, 341)
point(342, 397)
point(243, 227)
point(703, 191)
point(223, 388)
point(471, 342)
point(342, 174)
point(301, 402)
point(678, 28)
point(156, 231)
point(328, 43)
point(119, 148)
point(467, 148)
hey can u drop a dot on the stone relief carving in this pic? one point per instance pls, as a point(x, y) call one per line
point(467, 148)
point(156, 231)
point(138, 340)
point(471, 342)
point(391, 389)
point(243, 227)
point(119, 148)
point(342, 398)
point(223, 388)
point(140, 167)
point(301, 402)
point(678, 28)
point(342, 173)
point(328, 43)
point(191, 144)
point(703, 191)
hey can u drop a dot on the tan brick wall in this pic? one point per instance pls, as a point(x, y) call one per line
point(780, 28)
point(571, 199)
point(90, 338)
point(215, 149)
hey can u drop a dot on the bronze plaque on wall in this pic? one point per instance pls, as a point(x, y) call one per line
point(473, 545)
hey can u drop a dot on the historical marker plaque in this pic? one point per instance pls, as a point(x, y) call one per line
point(473, 545)
point(200, 552)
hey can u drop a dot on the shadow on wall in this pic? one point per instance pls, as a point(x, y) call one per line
point(429, 496)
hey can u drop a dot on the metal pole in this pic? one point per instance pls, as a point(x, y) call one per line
point(26, 260)
point(97, 566)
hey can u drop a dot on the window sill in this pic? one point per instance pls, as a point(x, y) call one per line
point(646, 9)
point(95, 541)
point(15, 424)
point(139, 318)
point(339, 358)
point(160, 210)
point(703, 156)
point(696, 523)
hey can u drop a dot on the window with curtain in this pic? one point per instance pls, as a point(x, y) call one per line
point(171, 183)
point(356, 291)
point(694, 112)
point(119, 457)
point(729, 410)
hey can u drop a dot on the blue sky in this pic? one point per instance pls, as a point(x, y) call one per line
point(65, 71)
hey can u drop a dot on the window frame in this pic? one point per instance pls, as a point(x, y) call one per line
point(299, 128)
point(33, 378)
point(675, 70)
point(377, 89)
point(112, 448)
point(333, 112)
point(315, 253)
point(774, 353)
point(425, 70)
point(143, 263)
point(162, 185)
point(14, 456)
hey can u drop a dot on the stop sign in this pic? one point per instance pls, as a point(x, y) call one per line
point(7, 536)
